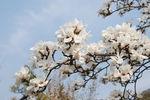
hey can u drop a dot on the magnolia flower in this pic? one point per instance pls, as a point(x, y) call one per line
point(120, 35)
point(41, 46)
point(127, 42)
point(71, 35)
point(22, 75)
point(106, 10)
point(46, 65)
point(43, 50)
point(35, 84)
point(116, 60)
point(115, 72)
point(39, 82)
point(128, 31)
point(138, 56)
point(124, 72)
point(80, 56)
point(95, 48)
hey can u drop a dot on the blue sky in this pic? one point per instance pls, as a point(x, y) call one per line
point(25, 22)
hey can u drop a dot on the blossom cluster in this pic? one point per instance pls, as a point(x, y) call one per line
point(43, 55)
point(124, 6)
point(145, 18)
point(72, 36)
point(130, 48)
point(122, 48)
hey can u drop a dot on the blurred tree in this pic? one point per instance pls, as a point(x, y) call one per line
point(145, 95)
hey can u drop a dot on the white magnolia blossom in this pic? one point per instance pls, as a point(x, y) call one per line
point(35, 84)
point(22, 75)
point(95, 48)
point(106, 10)
point(137, 55)
point(123, 73)
point(124, 36)
point(80, 56)
point(46, 65)
point(41, 46)
point(71, 35)
point(126, 72)
point(42, 56)
point(116, 60)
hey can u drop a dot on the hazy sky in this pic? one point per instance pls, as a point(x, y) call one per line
point(25, 22)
